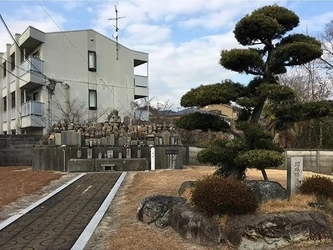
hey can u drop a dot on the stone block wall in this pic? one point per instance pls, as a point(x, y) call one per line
point(16, 150)
point(56, 158)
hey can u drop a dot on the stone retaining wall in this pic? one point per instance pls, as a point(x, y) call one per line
point(16, 150)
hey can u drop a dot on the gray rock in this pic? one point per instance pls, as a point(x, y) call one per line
point(273, 231)
point(185, 186)
point(267, 190)
point(157, 209)
point(195, 226)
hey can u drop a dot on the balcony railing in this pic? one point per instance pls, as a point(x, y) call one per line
point(140, 81)
point(4, 116)
point(32, 108)
point(31, 64)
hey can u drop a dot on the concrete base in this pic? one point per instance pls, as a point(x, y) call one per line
point(100, 165)
point(81, 165)
point(133, 164)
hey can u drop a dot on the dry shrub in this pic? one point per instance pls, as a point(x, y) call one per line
point(320, 186)
point(218, 195)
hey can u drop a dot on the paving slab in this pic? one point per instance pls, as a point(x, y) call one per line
point(58, 222)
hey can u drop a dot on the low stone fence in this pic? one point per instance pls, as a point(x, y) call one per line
point(16, 150)
point(57, 158)
point(318, 161)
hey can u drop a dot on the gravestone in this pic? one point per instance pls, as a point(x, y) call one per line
point(128, 153)
point(122, 141)
point(166, 137)
point(110, 154)
point(127, 121)
point(103, 141)
point(57, 139)
point(134, 143)
point(157, 141)
point(294, 174)
point(112, 140)
point(139, 152)
point(89, 153)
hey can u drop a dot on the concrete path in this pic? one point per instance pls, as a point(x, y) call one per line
point(64, 221)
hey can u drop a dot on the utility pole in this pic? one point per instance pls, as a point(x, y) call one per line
point(116, 34)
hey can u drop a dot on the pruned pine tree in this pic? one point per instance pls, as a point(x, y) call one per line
point(269, 51)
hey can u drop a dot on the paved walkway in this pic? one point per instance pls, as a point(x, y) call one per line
point(58, 222)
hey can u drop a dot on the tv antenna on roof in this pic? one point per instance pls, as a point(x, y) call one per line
point(116, 33)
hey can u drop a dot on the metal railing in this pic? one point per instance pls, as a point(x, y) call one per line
point(31, 64)
point(32, 108)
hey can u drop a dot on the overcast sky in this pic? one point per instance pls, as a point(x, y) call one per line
point(183, 37)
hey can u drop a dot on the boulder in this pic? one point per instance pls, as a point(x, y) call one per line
point(157, 209)
point(185, 189)
point(273, 231)
point(195, 226)
point(267, 190)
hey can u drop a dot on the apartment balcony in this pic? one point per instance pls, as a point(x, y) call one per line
point(141, 89)
point(32, 114)
point(30, 39)
point(30, 73)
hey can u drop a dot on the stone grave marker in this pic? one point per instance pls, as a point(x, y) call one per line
point(166, 137)
point(294, 174)
point(112, 140)
point(110, 154)
point(122, 141)
point(57, 139)
point(127, 120)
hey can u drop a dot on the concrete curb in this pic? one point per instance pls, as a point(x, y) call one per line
point(37, 203)
point(90, 228)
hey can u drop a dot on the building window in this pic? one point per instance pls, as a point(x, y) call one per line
point(4, 67)
point(13, 99)
point(12, 62)
point(92, 99)
point(92, 61)
point(5, 104)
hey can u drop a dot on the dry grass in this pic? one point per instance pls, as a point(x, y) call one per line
point(120, 229)
point(128, 233)
point(17, 182)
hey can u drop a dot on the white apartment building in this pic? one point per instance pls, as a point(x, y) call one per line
point(78, 75)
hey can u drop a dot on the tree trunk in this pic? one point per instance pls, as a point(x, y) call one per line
point(257, 111)
point(237, 173)
point(264, 174)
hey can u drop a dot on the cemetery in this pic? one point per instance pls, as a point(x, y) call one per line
point(110, 146)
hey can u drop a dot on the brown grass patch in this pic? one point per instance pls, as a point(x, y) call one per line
point(17, 182)
point(297, 202)
point(125, 232)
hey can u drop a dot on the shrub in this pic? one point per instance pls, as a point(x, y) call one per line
point(320, 186)
point(217, 195)
point(202, 121)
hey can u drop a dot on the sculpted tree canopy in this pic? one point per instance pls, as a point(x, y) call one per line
point(269, 51)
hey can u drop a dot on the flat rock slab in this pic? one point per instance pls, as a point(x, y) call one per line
point(59, 221)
